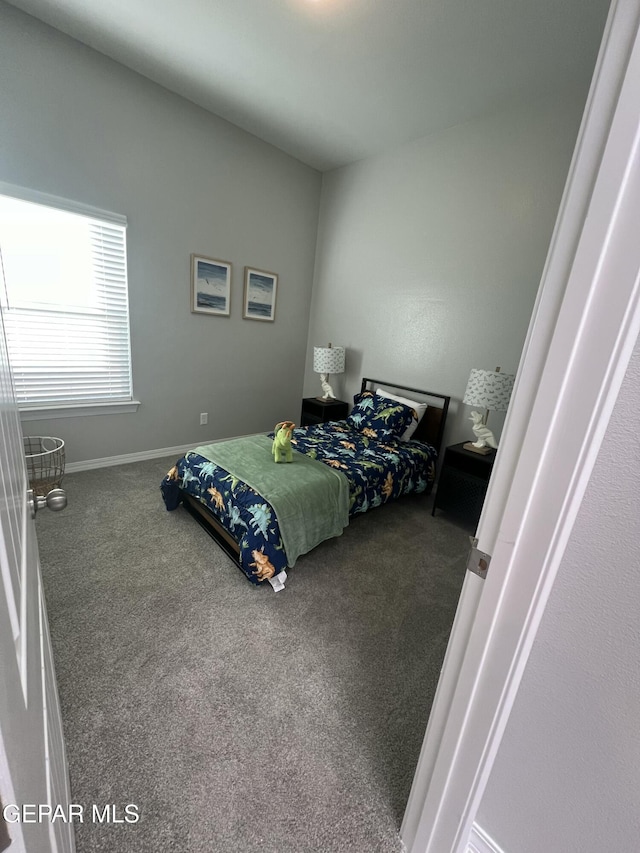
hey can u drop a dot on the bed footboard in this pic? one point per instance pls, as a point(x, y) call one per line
point(213, 527)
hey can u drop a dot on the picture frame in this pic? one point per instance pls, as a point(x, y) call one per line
point(210, 286)
point(260, 291)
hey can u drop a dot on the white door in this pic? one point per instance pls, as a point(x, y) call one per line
point(33, 769)
point(583, 330)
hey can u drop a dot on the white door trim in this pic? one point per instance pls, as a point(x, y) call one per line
point(481, 842)
point(8, 797)
point(585, 325)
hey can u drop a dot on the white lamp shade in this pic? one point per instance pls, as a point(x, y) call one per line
point(489, 389)
point(328, 360)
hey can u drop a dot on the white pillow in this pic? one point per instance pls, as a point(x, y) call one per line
point(419, 408)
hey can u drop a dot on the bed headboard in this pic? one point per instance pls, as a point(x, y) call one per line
point(431, 428)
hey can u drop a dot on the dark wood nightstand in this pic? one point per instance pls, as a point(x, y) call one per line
point(463, 482)
point(316, 411)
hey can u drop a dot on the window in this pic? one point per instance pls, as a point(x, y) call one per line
point(63, 288)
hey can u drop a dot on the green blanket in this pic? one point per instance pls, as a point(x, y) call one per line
point(310, 499)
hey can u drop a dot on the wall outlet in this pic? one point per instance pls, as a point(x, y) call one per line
point(204, 418)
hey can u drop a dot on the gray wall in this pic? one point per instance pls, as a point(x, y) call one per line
point(429, 257)
point(78, 125)
point(567, 775)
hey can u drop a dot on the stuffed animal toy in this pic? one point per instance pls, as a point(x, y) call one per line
point(281, 448)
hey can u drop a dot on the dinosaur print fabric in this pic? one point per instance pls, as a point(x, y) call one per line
point(378, 417)
point(377, 471)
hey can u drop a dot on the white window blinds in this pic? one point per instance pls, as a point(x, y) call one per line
point(65, 305)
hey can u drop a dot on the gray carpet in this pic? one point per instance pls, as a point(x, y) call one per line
point(238, 719)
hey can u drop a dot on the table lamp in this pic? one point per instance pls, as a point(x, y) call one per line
point(327, 360)
point(488, 389)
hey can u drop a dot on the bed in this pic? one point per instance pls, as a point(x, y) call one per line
point(265, 515)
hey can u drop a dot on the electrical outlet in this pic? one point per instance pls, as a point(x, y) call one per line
point(204, 418)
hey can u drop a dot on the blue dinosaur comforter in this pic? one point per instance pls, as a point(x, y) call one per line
point(377, 472)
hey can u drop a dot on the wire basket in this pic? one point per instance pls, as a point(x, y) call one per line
point(45, 462)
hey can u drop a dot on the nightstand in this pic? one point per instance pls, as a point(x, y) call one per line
point(316, 411)
point(463, 482)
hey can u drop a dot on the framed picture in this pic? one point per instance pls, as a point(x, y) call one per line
point(210, 286)
point(259, 294)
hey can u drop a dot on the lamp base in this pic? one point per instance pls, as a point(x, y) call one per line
point(483, 451)
point(325, 399)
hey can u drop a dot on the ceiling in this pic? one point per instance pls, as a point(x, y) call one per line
point(333, 81)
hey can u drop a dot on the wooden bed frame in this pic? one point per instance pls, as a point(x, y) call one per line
point(430, 431)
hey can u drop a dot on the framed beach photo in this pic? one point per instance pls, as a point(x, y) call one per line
point(259, 294)
point(210, 286)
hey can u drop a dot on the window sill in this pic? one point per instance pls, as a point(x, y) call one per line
point(81, 410)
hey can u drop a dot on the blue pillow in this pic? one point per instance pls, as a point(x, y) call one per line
point(378, 417)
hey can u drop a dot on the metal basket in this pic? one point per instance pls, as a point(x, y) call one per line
point(45, 462)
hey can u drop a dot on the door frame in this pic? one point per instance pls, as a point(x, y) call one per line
point(584, 327)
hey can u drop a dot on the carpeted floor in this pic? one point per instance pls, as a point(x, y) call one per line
point(238, 719)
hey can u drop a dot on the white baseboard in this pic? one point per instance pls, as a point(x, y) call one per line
point(140, 456)
point(481, 842)
point(125, 458)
